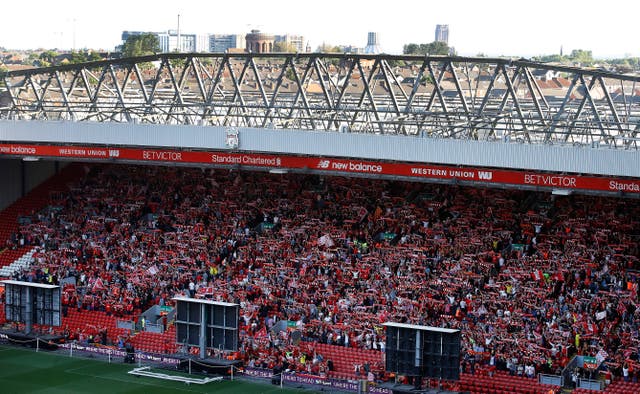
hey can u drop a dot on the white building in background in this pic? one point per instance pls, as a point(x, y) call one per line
point(296, 41)
point(202, 43)
point(442, 34)
point(351, 49)
point(373, 44)
point(171, 41)
point(224, 42)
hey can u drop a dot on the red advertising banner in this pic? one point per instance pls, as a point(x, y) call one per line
point(420, 171)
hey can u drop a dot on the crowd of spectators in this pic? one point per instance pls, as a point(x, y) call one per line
point(530, 278)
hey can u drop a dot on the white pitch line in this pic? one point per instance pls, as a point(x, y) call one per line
point(73, 371)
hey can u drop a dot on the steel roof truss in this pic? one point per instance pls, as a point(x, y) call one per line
point(274, 94)
point(463, 99)
point(209, 108)
point(436, 87)
point(120, 101)
point(534, 90)
point(325, 90)
point(612, 107)
point(509, 81)
point(386, 70)
point(416, 86)
point(583, 102)
point(263, 94)
point(141, 82)
point(367, 92)
point(562, 112)
point(437, 91)
point(594, 106)
point(342, 91)
point(301, 92)
point(237, 96)
point(464, 109)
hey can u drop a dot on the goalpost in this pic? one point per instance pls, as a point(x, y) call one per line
point(204, 325)
point(187, 372)
point(146, 371)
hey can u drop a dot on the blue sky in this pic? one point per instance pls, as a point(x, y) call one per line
point(492, 27)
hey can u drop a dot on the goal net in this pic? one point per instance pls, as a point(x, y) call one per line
point(177, 376)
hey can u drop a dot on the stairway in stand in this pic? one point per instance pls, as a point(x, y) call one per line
point(34, 201)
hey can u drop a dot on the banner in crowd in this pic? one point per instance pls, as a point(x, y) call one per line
point(336, 384)
point(590, 362)
point(258, 372)
point(335, 165)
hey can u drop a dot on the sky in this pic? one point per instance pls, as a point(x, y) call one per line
point(491, 27)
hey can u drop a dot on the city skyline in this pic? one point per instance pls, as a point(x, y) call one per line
point(474, 27)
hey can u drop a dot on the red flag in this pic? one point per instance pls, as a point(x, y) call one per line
point(262, 333)
point(98, 285)
point(363, 213)
point(536, 275)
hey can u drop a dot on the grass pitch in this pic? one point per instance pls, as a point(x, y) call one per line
point(25, 371)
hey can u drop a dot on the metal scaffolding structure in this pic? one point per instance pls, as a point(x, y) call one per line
point(481, 99)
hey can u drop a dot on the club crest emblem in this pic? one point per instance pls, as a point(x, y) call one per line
point(232, 139)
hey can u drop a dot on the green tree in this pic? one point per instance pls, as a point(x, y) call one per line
point(427, 79)
point(327, 48)
point(397, 63)
point(32, 58)
point(47, 58)
point(581, 56)
point(290, 74)
point(93, 57)
point(282, 46)
point(177, 62)
point(77, 57)
point(433, 48)
point(141, 45)
point(83, 57)
point(626, 64)
point(555, 58)
point(439, 48)
point(410, 49)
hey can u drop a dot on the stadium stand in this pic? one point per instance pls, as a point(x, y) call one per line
point(502, 382)
point(530, 278)
point(43, 195)
point(83, 325)
point(155, 343)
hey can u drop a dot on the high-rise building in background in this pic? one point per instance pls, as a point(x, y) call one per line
point(170, 41)
point(226, 42)
point(442, 34)
point(294, 41)
point(373, 44)
point(351, 49)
